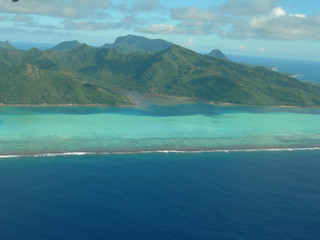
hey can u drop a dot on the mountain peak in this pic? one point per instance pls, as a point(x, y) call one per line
point(217, 54)
point(129, 39)
point(133, 43)
point(6, 45)
point(66, 46)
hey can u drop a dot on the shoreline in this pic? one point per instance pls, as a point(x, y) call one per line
point(168, 97)
point(63, 105)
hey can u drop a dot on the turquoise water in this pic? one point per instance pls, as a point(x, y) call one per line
point(223, 195)
point(156, 125)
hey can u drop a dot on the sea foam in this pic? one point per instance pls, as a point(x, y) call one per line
point(162, 151)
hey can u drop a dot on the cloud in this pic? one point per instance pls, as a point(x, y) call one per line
point(191, 21)
point(12, 30)
point(87, 25)
point(188, 28)
point(197, 14)
point(232, 19)
point(57, 8)
point(31, 24)
point(240, 19)
point(247, 7)
point(145, 5)
point(138, 6)
point(22, 18)
point(187, 43)
point(277, 25)
point(160, 29)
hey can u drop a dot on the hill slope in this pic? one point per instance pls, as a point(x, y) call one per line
point(27, 84)
point(181, 72)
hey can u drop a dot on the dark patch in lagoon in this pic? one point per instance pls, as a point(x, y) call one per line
point(194, 108)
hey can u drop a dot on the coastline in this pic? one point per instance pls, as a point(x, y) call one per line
point(154, 96)
point(63, 105)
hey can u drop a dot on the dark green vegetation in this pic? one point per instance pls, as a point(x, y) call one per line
point(88, 75)
point(217, 54)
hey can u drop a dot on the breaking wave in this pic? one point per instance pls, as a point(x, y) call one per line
point(160, 151)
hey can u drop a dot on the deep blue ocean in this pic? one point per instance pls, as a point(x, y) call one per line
point(305, 70)
point(227, 196)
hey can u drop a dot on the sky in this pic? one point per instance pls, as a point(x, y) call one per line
point(271, 28)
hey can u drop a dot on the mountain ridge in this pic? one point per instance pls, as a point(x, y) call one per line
point(6, 45)
point(66, 46)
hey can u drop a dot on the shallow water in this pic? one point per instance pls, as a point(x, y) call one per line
point(157, 124)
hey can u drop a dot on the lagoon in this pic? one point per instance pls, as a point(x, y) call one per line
point(156, 124)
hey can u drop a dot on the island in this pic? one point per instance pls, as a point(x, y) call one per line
point(76, 73)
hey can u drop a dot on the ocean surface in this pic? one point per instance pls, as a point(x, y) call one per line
point(305, 70)
point(222, 196)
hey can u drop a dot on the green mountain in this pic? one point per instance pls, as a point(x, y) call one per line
point(87, 75)
point(66, 46)
point(6, 45)
point(132, 43)
point(217, 54)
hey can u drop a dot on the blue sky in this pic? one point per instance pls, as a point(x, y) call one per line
point(278, 28)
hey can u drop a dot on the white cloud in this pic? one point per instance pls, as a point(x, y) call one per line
point(191, 21)
point(277, 25)
point(233, 19)
point(160, 29)
point(187, 43)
